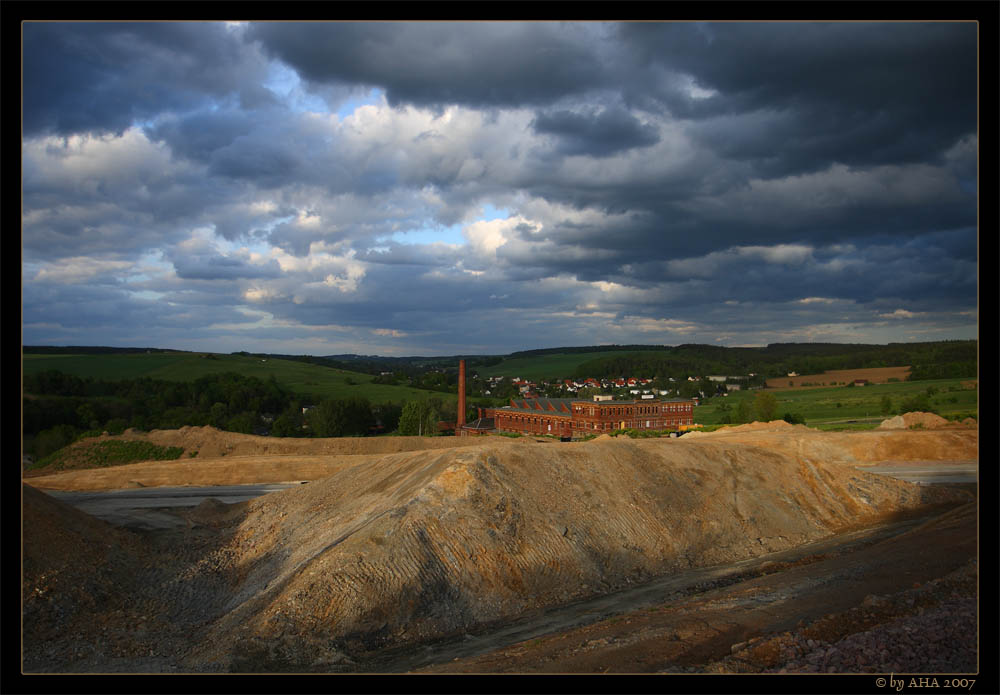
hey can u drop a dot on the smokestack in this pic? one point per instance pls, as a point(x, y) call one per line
point(461, 397)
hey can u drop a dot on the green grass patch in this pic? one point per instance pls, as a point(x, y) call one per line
point(299, 377)
point(109, 453)
point(641, 434)
point(860, 407)
point(554, 366)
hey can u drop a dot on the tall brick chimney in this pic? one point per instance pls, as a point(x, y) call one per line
point(461, 398)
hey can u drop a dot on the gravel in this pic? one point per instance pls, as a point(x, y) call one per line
point(927, 629)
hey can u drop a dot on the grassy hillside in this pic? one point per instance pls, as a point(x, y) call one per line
point(299, 377)
point(838, 405)
point(547, 366)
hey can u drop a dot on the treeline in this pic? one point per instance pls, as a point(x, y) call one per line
point(58, 408)
point(585, 349)
point(948, 359)
point(399, 367)
point(362, 366)
point(88, 350)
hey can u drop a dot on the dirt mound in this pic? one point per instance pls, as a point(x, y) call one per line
point(854, 448)
point(410, 546)
point(213, 512)
point(209, 442)
point(772, 426)
point(73, 567)
point(917, 419)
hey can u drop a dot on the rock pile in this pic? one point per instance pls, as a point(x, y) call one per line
point(928, 629)
point(916, 419)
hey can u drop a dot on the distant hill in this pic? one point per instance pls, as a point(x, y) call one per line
point(316, 380)
point(930, 360)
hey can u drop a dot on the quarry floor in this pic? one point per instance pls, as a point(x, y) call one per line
point(820, 607)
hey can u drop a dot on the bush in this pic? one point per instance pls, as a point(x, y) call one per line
point(51, 440)
point(116, 426)
point(793, 419)
point(113, 452)
point(917, 404)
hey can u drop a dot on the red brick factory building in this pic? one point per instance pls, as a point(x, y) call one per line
point(572, 418)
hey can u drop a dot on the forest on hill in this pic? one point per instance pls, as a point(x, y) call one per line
point(929, 360)
point(58, 409)
point(937, 360)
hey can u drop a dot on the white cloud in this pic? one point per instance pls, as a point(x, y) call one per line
point(900, 314)
point(79, 269)
point(817, 300)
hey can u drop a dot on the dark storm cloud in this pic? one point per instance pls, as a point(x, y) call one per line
point(199, 135)
point(651, 182)
point(599, 134)
point(431, 64)
point(223, 268)
point(428, 256)
point(859, 93)
point(268, 164)
point(80, 77)
point(83, 307)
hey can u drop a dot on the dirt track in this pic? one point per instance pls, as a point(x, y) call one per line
point(385, 550)
point(760, 615)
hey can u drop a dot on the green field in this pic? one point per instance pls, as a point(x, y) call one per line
point(299, 377)
point(844, 406)
point(555, 366)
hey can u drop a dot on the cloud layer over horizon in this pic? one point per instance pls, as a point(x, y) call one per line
point(445, 188)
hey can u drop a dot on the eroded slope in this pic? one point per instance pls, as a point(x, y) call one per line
point(410, 546)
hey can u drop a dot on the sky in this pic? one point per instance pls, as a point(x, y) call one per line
point(424, 188)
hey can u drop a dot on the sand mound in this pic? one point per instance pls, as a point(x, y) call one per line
point(416, 545)
point(772, 426)
point(209, 442)
point(870, 446)
point(917, 419)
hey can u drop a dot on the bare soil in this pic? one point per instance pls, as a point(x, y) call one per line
point(393, 550)
point(844, 610)
point(875, 375)
point(210, 443)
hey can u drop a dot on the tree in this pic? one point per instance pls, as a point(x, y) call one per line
point(418, 418)
point(243, 423)
point(387, 415)
point(53, 439)
point(766, 405)
point(919, 403)
point(744, 411)
point(341, 417)
point(217, 414)
point(116, 425)
point(886, 405)
point(88, 417)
